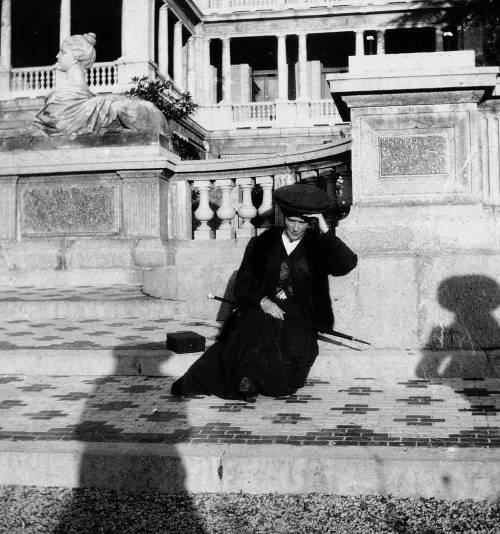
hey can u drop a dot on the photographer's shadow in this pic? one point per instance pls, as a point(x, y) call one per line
point(465, 348)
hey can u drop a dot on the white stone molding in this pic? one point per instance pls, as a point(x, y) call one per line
point(65, 20)
point(141, 203)
point(380, 42)
point(163, 40)
point(226, 211)
point(204, 212)
point(360, 43)
point(247, 211)
point(178, 56)
point(226, 69)
point(303, 78)
point(282, 69)
point(8, 196)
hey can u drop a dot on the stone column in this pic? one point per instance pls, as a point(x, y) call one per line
point(303, 78)
point(206, 89)
point(163, 40)
point(380, 42)
point(8, 186)
point(65, 20)
point(178, 56)
point(5, 47)
point(191, 64)
point(360, 44)
point(439, 39)
point(282, 69)
point(137, 40)
point(226, 70)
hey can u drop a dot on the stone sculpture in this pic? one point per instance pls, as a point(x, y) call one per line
point(72, 109)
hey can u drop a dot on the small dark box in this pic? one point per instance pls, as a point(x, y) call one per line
point(182, 342)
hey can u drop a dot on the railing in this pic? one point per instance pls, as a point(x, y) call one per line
point(232, 199)
point(228, 6)
point(254, 112)
point(102, 76)
point(323, 109)
point(277, 114)
point(241, 207)
point(32, 80)
point(38, 81)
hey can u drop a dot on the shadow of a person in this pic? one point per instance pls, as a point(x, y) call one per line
point(131, 479)
point(461, 349)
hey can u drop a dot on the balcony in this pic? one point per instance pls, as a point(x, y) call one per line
point(268, 114)
point(231, 6)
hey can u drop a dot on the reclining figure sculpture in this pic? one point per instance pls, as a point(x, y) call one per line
point(72, 109)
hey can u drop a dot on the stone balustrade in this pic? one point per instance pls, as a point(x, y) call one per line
point(103, 76)
point(280, 114)
point(33, 81)
point(38, 81)
point(229, 6)
point(242, 207)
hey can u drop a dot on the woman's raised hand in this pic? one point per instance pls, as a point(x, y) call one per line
point(268, 306)
point(322, 224)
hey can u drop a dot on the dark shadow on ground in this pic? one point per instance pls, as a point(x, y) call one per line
point(463, 348)
point(143, 498)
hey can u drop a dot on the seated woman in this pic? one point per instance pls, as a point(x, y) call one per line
point(71, 109)
point(270, 343)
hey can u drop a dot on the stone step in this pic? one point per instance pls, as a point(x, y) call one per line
point(435, 438)
point(84, 302)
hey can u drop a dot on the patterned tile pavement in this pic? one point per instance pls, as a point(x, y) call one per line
point(118, 292)
point(133, 332)
point(440, 413)
point(357, 411)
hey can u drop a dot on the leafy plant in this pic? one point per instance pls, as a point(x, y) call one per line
point(162, 93)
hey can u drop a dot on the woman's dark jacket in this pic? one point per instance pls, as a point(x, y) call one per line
point(310, 263)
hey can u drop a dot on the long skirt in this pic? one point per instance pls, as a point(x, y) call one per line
point(276, 355)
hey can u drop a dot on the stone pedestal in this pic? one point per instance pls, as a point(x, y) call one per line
point(427, 241)
point(94, 203)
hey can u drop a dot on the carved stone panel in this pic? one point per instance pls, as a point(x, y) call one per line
point(52, 207)
point(413, 155)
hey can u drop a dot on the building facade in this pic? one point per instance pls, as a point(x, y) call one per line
point(248, 63)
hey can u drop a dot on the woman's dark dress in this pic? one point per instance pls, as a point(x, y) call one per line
point(276, 355)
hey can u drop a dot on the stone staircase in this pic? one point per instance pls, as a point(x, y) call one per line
point(85, 402)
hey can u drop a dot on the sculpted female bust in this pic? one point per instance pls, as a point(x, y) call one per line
point(71, 109)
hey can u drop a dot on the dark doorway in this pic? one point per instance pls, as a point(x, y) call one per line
point(407, 40)
point(35, 32)
point(103, 19)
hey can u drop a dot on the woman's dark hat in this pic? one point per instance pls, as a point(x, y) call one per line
point(302, 198)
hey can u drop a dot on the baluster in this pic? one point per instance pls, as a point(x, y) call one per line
point(225, 212)
point(266, 208)
point(330, 180)
point(204, 212)
point(247, 211)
